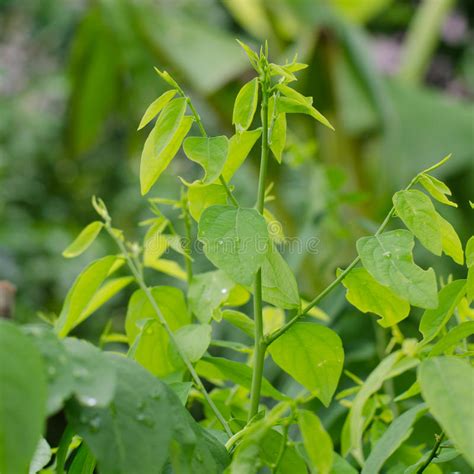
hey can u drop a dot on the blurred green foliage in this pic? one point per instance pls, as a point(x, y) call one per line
point(75, 78)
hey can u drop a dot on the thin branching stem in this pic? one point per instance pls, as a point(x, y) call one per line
point(433, 453)
point(141, 283)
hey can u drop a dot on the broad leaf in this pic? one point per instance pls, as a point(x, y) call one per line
point(219, 369)
point(388, 258)
point(437, 189)
point(82, 292)
point(169, 267)
point(239, 148)
point(417, 212)
point(153, 350)
point(22, 400)
point(155, 107)
point(317, 442)
point(433, 320)
point(93, 373)
point(279, 286)
point(201, 197)
point(193, 340)
point(239, 320)
point(209, 152)
point(245, 105)
point(83, 240)
point(312, 354)
point(446, 386)
point(134, 432)
point(170, 301)
point(270, 449)
point(163, 142)
point(207, 292)
point(450, 240)
point(235, 240)
point(273, 318)
point(399, 431)
point(367, 295)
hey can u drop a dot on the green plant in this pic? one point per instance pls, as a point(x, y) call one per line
point(127, 411)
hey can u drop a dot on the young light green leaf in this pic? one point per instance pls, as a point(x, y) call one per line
point(446, 386)
point(83, 240)
point(207, 292)
point(437, 189)
point(163, 142)
point(279, 286)
point(22, 400)
point(294, 102)
point(251, 54)
point(235, 240)
point(470, 284)
point(167, 78)
point(153, 350)
point(193, 340)
point(201, 197)
point(273, 318)
point(450, 240)
point(245, 105)
point(82, 292)
point(317, 442)
point(463, 331)
point(341, 466)
point(277, 132)
point(133, 434)
point(240, 321)
point(155, 107)
point(210, 153)
point(219, 369)
point(367, 295)
point(106, 292)
point(399, 431)
point(417, 212)
point(169, 267)
point(388, 258)
point(240, 145)
point(169, 299)
point(312, 354)
point(433, 320)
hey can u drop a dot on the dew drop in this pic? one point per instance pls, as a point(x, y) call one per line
point(224, 291)
point(94, 423)
point(88, 401)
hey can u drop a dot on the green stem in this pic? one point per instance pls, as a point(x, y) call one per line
point(433, 454)
point(259, 340)
point(164, 323)
point(422, 38)
point(187, 247)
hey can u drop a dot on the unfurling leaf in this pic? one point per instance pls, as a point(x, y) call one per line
point(437, 189)
point(83, 240)
point(209, 152)
point(163, 142)
point(239, 147)
point(368, 295)
point(433, 320)
point(446, 386)
point(312, 354)
point(155, 107)
point(201, 197)
point(317, 442)
point(245, 105)
point(388, 258)
point(417, 212)
point(235, 240)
